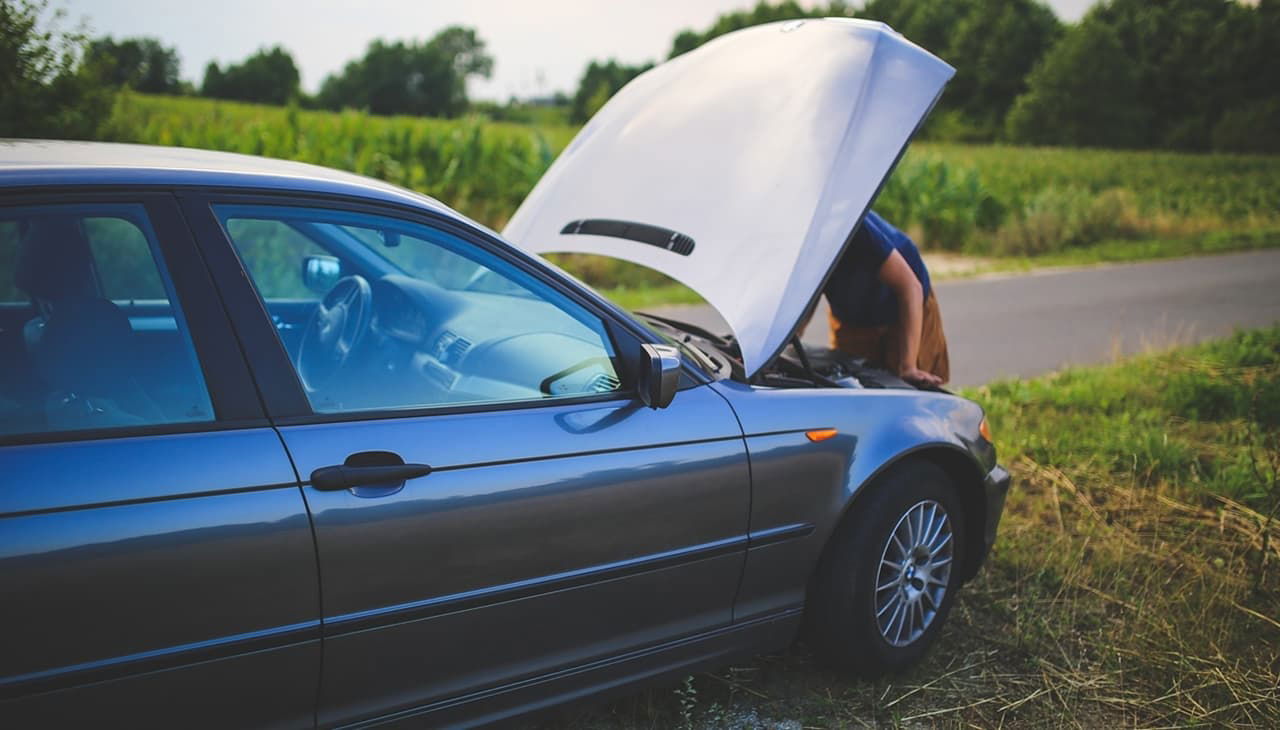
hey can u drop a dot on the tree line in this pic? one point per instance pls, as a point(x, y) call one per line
point(425, 78)
point(59, 82)
point(1175, 74)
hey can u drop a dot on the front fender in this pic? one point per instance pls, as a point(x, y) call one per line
point(801, 489)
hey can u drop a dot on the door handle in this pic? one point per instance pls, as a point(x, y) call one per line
point(365, 469)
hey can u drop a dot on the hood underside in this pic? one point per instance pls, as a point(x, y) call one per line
point(740, 169)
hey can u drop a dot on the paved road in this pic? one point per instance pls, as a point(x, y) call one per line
point(1031, 324)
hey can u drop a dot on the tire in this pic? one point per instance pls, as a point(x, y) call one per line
point(854, 627)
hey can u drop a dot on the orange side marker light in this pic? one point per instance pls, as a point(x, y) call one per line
point(820, 434)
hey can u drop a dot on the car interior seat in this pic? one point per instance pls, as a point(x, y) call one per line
point(79, 341)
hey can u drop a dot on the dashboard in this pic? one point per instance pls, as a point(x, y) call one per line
point(429, 345)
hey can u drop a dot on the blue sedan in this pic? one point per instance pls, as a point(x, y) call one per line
point(285, 446)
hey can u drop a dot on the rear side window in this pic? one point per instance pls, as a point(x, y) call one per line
point(122, 257)
point(9, 292)
point(93, 335)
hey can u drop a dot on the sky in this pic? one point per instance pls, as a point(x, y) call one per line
point(539, 46)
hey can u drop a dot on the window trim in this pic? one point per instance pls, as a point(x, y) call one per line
point(227, 377)
point(282, 391)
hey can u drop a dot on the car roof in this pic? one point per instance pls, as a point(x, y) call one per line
point(61, 163)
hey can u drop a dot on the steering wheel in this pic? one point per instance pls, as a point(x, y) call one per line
point(337, 327)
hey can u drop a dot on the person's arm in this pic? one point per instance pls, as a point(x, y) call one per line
point(896, 273)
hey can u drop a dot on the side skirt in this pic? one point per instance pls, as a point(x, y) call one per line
point(615, 675)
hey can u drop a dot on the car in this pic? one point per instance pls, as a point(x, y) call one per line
point(285, 446)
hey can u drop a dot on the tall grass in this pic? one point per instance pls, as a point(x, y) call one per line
point(1017, 201)
point(482, 168)
point(984, 199)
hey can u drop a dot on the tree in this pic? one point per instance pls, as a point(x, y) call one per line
point(142, 64)
point(993, 45)
point(993, 48)
point(45, 88)
point(1204, 75)
point(395, 78)
point(465, 50)
point(1248, 77)
point(600, 82)
point(1253, 126)
point(602, 79)
point(928, 23)
point(1195, 59)
point(762, 13)
point(426, 79)
point(269, 76)
point(1084, 93)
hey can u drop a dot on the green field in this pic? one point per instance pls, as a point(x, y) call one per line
point(481, 168)
point(1013, 205)
point(1135, 581)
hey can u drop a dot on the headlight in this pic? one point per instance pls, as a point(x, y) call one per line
point(985, 429)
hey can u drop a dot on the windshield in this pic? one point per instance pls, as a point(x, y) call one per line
point(424, 260)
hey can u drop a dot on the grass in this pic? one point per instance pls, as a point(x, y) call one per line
point(1225, 187)
point(1109, 252)
point(1121, 250)
point(480, 167)
point(1135, 581)
point(640, 298)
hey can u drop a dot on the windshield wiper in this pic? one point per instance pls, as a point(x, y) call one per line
point(686, 337)
point(694, 330)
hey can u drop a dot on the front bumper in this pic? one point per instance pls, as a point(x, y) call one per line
point(995, 488)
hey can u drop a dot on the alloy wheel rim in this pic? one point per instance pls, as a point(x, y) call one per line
point(915, 569)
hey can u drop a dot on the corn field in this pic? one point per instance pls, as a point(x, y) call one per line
point(484, 169)
point(980, 199)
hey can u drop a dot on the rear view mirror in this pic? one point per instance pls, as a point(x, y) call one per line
point(320, 273)
point(659, 375)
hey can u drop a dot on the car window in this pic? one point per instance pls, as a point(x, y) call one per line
point(122, 257)
point(93, 335)
point(9, 291)
point(411, 316)
point(275, 253)
point(438, 264)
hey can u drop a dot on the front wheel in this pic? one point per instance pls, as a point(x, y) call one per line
point(886, 583)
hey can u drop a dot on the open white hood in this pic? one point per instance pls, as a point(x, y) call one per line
point(741, 168)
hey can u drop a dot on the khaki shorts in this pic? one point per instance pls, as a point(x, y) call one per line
point(880, 346)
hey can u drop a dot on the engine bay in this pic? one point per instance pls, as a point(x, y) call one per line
point(809, 367)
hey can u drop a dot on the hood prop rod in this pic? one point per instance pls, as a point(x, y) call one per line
point(804, 359)
point(818, 378)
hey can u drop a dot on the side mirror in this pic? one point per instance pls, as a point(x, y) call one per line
point(320, 273)
point(659, 375)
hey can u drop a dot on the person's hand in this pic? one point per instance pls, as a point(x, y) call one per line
point(919, 377)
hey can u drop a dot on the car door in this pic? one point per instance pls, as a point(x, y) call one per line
point(510, 508)
point(156, 561)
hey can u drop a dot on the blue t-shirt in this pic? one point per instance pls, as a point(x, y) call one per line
point(856, 294)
